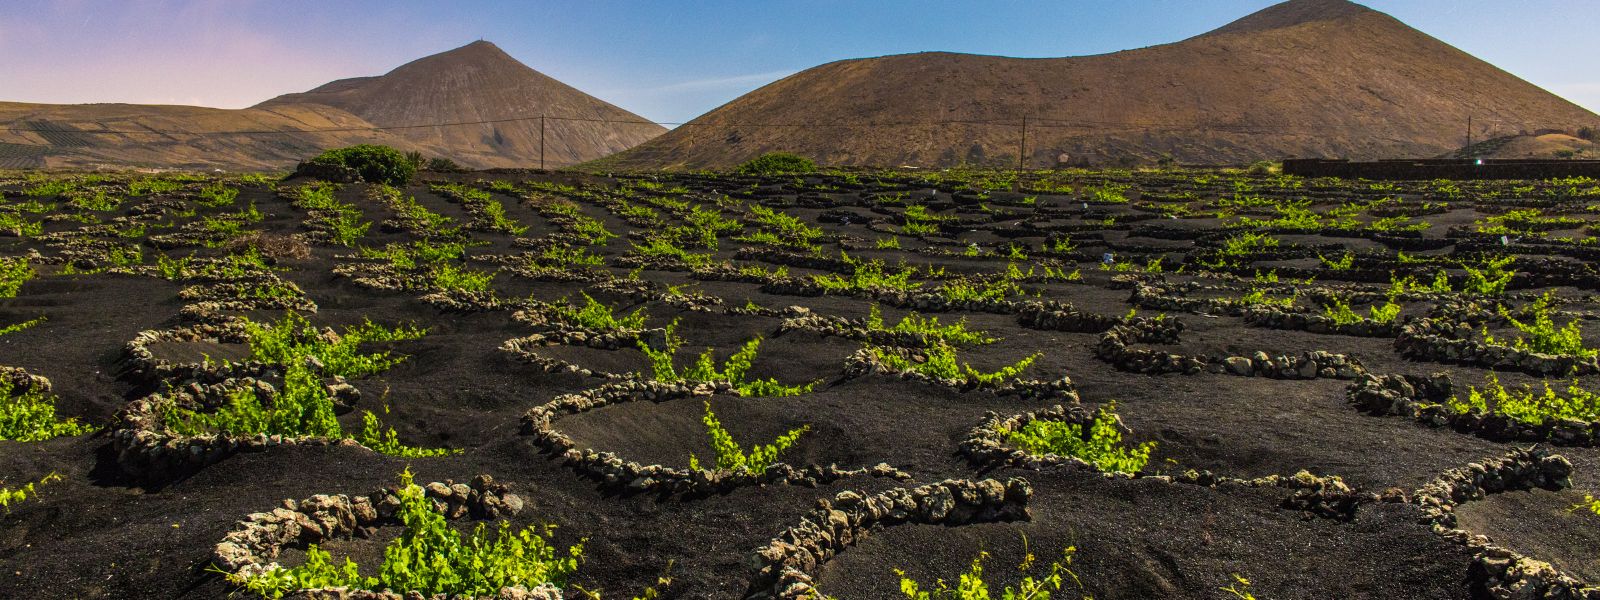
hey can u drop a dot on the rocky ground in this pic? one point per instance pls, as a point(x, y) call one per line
point(1232, 395)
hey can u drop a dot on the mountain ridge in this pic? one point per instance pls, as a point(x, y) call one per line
point(1310, 78)
point(472, 83)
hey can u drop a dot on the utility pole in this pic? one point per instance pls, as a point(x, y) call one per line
point(1469, 131)
point(1022, 147)
point(541, 142)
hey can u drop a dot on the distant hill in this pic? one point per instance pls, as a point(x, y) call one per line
point(480, 82)
point(1306, 78)
point(476, 82)
point(1547, 146)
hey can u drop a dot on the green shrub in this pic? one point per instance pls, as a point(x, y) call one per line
point(1541, 334)
point(13, 273)
point(941, 362)
point(301, 408)
point(733, 371)
point(1492, 278)
point(374, 163)
point(777, 163)
point(599, 317)
point(963, 291)
point(733, 459)
point(867, 276)
point(954, 334)
point(448, 277)
point(1343, 263)
point(431, 558)
point(1527, 406)
point(29, 415)
point(293, 339)
point(217, 195)
point(1100, 446)
point(19, 226)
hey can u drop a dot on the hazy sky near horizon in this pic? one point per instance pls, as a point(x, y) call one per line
point(667, 61)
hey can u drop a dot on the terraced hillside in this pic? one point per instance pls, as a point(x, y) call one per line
point(1153, 384)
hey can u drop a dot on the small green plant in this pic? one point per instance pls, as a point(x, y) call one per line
point(867, 276)
point(929, 327)
point(1524, 405)
point(1339, 310)
point(1106, 194)
point(302, 407)
point(1387, 313)
point(964, 291)
point(940, 362)
point(10, 496)
point(1343, 263)
point(448, 277)
point(217, 195)
point(731, 458)
point(1491, 278)
point(19, 226)
point(293, 339)
point(1260, 297)
point(1240, 588)
point(431, 558)
point(888, 243)
point(665, 248)
point(13, 273)
point(1541, 334)
point(386, 441)
point(99, 201)
point(599, 317)
point(15, 327)
point(1099, 444)
point(971, 586)
point(733, 371)
point(29, 415)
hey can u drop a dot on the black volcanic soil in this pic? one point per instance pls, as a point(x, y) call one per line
point(102, 533)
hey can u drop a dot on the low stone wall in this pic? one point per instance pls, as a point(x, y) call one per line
point(864, 362)
point(1496, 571)
point(624, 476)
point(1430, 169)
point(253, 545)
point(147, 449)
point(1273, 318)
point(1423, 400)
point(914, 300)
point(643, 291)
point(141, 363)
point(21, 380)
point(523, 349)
point(856, 329)
point(1056, 316)
point(986, 447)
point(785, 568)
point(1444, 342)
point(1115, 347)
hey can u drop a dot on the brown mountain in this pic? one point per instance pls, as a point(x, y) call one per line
point(477, 82)
point(1308, 78)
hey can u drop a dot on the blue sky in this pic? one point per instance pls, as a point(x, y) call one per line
point(668, 61)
